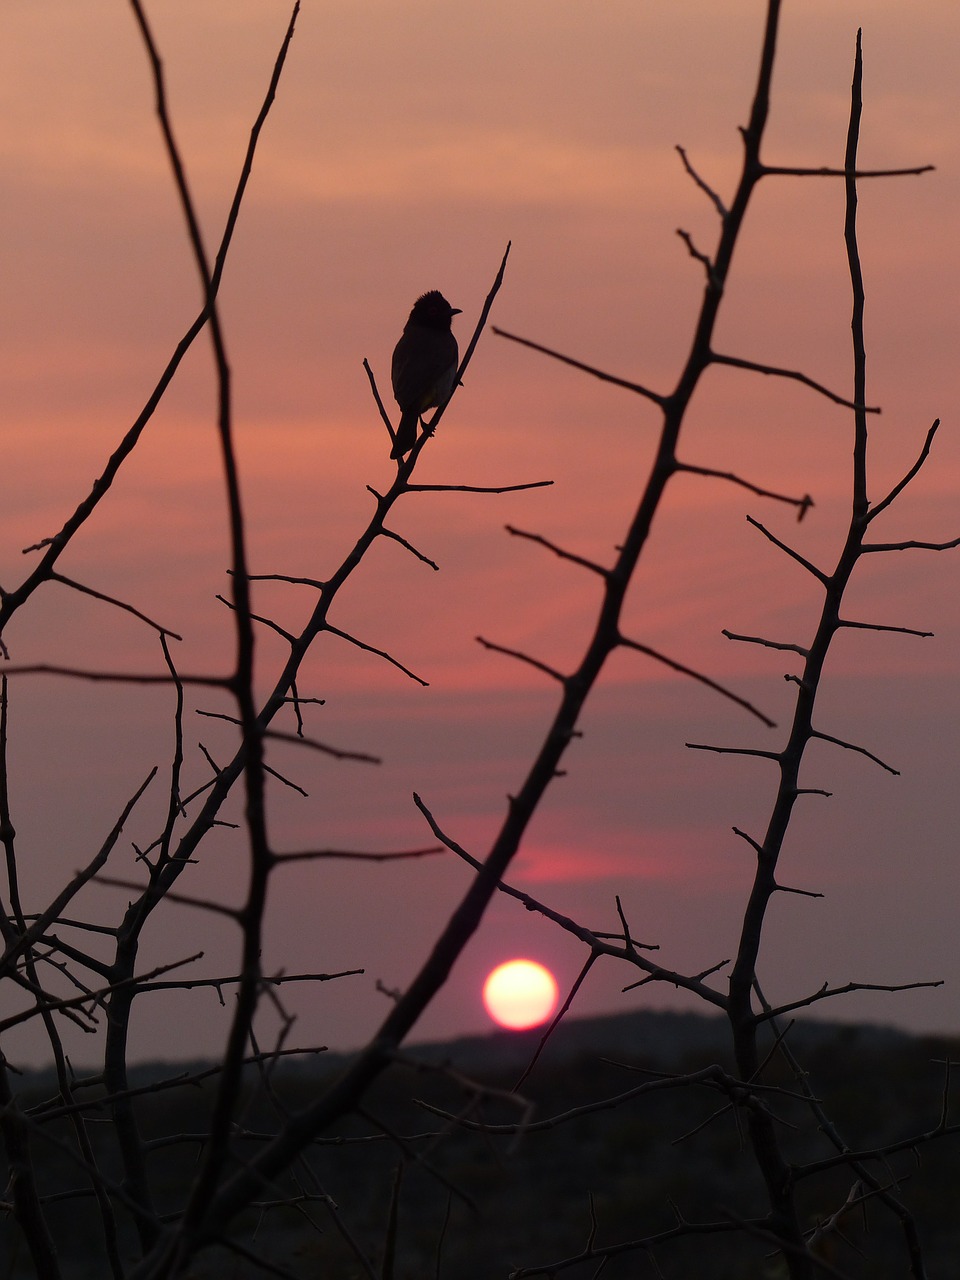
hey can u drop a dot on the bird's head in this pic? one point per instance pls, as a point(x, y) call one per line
point(433, 311)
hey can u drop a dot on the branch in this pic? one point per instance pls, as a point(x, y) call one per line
point(899, 487)
point(707, 190)
point(826, 993)
point(558, 551)
point(733, 751)
point(120, 604)
point(699, 677)
point(476, 488)
point(774, 371)
point(787, 171)
point(851, 746)
point(379, 401)
point(285, 577)
point(380, 653)
point(880, 626)
point(595, 941)
point(258, 617)
point(389, 533)
point(767, 644)
point(911, 546)
point(562, 1012)
point(313, 855)
point(233, 980)
point(93, 997)
point(523, 657)
point(794, 555)
point(704, 259)
point(584, 368)
point(116, 677)
point(52, 913)
point(803, 504)
point(11, 601)
point(338, 753)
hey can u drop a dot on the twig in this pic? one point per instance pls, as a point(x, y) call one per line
point(584, 368)
point(775, 371)
point(557, 550)
point(681, 669)
point(523, 657)
point(707, 190)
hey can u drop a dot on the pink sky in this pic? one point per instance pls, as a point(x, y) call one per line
point(407, 145)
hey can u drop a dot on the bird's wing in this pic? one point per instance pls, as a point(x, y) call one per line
point(423, 362)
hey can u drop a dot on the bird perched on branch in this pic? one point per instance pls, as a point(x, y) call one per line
point(424, 365)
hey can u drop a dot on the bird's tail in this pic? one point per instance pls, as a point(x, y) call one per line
point(406, 434)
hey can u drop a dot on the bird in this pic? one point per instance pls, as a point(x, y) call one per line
point(424, 366)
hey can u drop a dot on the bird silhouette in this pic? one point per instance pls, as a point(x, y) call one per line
point(424, 366)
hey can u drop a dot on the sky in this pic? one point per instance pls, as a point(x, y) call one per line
point(408, 144)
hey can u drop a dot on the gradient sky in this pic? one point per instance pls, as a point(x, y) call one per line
point(409, 142)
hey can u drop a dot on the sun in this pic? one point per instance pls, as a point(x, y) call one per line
point(520, 994)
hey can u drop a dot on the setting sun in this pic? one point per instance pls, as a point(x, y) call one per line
point(520, 994)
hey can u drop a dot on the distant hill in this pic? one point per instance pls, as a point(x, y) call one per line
point(474, 1204)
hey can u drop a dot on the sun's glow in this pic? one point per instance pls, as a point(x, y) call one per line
point(520, 994)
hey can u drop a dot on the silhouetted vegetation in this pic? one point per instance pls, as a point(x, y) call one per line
point(513, 1199)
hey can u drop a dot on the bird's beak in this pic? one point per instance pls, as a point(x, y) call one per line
point(456, 311)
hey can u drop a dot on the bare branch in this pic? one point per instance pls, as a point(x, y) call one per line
point(794, 555)
point(558, 551)
point(595, 941)
point(233, 980)
point(584, 368)
point(115, 677)
point(774, 371)
point(285, 577)
point(380, 405)
point(732, 751)
point(380, 653)
point(338, 753)
point(170, 895)
point(786, 171)
point(120, 604)
point(826, 992)
point(274, 773)
point(708, 191)
point(257, 617)
point(561, 1013)
point(880, 626)
point(431, 426)
point(803, 504)
point(314, 855)
point(851, 746)
point(53, 912)
point(767, 644)
point(899, 487)
point(523, 657)
point(476, 488)
point(95, 997)
point(754, 844)
point(704, 259)
point(10, 601)
point(389, 533)
point(699, 677)
point(911, 546)
point(803, 893)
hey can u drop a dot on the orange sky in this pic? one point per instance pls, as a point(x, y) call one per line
point(407, 145)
